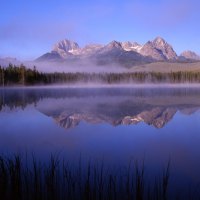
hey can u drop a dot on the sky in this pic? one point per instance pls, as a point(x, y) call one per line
point(30, 28)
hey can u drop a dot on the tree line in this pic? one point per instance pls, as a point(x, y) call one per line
point(21, 75)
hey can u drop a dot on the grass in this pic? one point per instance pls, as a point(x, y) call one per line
point(22, 179)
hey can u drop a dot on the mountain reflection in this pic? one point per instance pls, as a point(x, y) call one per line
point(124, 112)
point(125, 106)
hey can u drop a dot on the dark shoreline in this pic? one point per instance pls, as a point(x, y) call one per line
point(23, 76)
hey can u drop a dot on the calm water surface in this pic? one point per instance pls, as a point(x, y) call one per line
point(115, 125)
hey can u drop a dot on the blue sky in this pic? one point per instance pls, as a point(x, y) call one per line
point(29, 28)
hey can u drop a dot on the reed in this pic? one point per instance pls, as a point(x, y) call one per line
point(58, 179)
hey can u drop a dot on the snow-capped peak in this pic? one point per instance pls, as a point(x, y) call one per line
point(131, 46)
point(64, 47)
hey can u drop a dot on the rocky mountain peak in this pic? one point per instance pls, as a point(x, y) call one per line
point(125, 53)
point(159, 49)
point(190, 55)
point(64, 47)
point(149, 50)
point(158, 42)
point(114, 44)
point(167, 50)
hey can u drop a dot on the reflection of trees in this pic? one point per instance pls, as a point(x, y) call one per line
point(17, 98)
point(13, 100)
point(21, 97)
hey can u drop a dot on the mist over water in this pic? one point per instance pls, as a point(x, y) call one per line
point(86, 67)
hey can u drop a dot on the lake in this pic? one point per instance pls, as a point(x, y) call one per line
point(116, 125)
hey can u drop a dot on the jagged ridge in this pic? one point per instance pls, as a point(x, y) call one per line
point(124, 53)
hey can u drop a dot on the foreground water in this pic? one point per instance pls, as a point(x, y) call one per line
point(115, 125)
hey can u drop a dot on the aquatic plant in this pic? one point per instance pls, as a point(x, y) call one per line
point(25, 178)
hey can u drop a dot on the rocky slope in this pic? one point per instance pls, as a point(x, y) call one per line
point(65, 48)
point(131, 46)
point(159, 49)
point(115, 53)
point(122, 53)
point(189, 55)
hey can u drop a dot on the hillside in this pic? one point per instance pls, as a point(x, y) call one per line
point(166, 67)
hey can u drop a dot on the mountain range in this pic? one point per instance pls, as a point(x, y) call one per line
point(123, 53)
point(127, 54)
